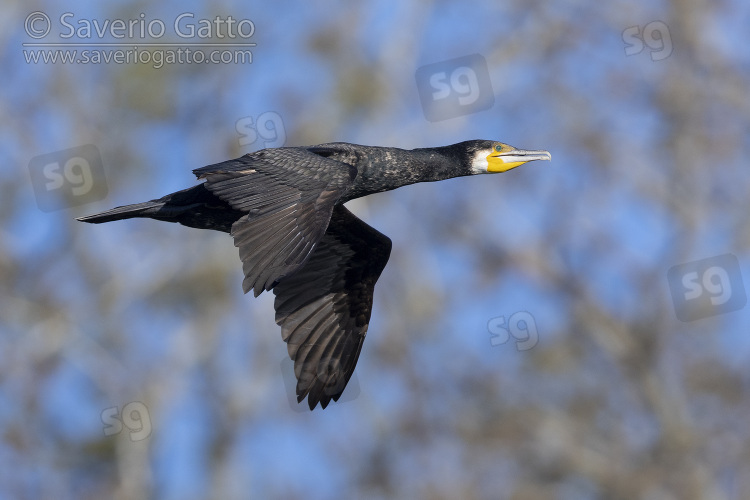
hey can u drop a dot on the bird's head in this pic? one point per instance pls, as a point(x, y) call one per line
point(491, 157)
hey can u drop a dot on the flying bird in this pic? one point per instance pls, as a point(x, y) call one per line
point(284, 207)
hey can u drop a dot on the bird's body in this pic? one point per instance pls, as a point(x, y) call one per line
point(284, 209)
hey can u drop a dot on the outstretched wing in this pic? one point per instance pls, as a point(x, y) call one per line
point(288, 195)
point(324, 308)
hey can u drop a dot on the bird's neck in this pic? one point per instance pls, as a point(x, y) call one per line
point(437, 164)
point(391, 168)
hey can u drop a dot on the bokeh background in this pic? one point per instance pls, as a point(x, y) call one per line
point(132, 366)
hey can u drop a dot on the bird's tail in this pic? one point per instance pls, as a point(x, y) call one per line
point(192, 207)
point(146, 209)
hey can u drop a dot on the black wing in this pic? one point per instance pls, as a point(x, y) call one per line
point(288, 195)
point(324, 308)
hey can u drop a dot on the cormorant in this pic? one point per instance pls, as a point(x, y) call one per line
point(284, 207)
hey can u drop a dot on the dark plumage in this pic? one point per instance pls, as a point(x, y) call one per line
point(284, 209)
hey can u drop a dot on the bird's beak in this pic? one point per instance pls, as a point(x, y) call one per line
point(506, 160)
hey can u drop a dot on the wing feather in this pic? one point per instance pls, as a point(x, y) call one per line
point(288, 195)
point(324, 308)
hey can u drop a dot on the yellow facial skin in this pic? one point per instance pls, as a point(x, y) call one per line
point(505, 157)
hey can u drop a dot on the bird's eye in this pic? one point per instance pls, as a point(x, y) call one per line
point(498, 148)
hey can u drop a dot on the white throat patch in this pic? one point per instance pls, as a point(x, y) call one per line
point(479, 164)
